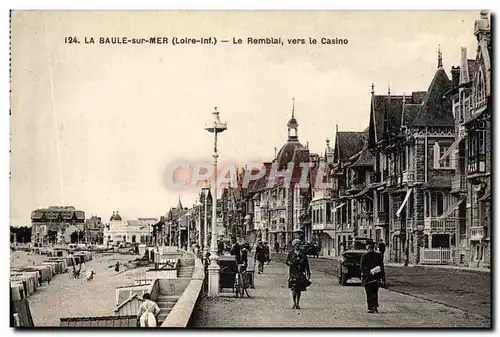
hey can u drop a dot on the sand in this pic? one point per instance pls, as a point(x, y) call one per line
point(65, 297)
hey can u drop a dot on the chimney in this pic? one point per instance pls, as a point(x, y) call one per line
point(455, 76)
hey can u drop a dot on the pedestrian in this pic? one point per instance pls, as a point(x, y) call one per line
point(277, 247)
point(260, 256)
point(236, 249)
point(299, 272)
point(268, 252)
point(372, 272)
point(148, 312)
point(381, 248)
point(117, 266)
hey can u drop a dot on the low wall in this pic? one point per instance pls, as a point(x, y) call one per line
point(180, 314)
point(161, 274)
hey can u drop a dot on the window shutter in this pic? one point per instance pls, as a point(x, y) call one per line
point(436, 155)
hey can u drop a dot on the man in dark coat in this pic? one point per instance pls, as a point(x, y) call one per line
point(370, 277)
point(236, 250)
point(260, 256)
point(381, 248)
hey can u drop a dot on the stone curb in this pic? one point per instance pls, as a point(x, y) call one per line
point(181, 313)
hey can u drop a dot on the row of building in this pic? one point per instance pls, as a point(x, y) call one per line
point(418, 177)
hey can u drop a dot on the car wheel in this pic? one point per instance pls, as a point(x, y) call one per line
point(343, 279)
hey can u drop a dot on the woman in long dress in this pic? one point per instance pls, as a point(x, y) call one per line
point(148, 311)
point(299, 272)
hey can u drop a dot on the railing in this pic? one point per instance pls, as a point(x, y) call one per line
point(382, 219)
point(408, 176)
point(477, 233)
point(436, 255)
point(458, 183)
point(441, 225)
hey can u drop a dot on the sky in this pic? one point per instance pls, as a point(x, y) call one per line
point(95, 126)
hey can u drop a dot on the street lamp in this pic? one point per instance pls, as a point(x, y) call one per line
point(213, 268)
point(205, 223)
point(198, 228)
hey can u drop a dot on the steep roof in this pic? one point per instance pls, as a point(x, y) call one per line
point(436, 110)
point(409, 113)
point(365, 159)
point(58, 213)
point(385, 115)
point(348, 144)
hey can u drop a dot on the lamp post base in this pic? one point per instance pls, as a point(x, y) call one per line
point(213, 279)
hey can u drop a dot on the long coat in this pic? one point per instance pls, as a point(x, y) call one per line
point(370, 260)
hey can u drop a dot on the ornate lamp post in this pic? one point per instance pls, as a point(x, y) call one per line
point(205, 223)
point(198, 227)
point(213, 269)
point(188, 230)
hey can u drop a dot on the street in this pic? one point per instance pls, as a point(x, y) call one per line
point(466, 290)
point(324, 304)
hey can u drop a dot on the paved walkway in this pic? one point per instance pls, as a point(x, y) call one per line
point(324, 304)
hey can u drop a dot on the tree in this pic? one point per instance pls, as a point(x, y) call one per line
point(23, 233)
point(77, 236)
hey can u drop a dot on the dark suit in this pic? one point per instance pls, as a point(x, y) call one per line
point(370, 260)
point(236, 251)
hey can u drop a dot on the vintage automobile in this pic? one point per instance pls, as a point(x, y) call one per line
point(350, 264)
point(311, 249)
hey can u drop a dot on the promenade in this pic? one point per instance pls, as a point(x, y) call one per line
point(324, 304)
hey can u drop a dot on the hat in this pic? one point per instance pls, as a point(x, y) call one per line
point(295, 242)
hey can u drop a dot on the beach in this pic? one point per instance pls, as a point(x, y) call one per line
point(65, 297)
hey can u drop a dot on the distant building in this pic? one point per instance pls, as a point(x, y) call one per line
point(119, 230)
point(55, 224)
point(94, 230)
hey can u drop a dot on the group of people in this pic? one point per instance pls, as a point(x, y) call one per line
point(372, 273)
point(241, 253)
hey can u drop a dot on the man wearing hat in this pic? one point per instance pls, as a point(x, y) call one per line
point(372, 272)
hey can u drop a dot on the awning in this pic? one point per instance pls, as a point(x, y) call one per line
point(451, 148)
point(330, 233)
point(452, 208)
point(339, 206)
point(408, 193)
point(363, 192)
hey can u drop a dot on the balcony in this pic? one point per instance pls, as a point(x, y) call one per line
point(397, 225)
point(441, 225)
point(382, 220)
point(477, 233)
point(458, 183)
point(408, 176)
